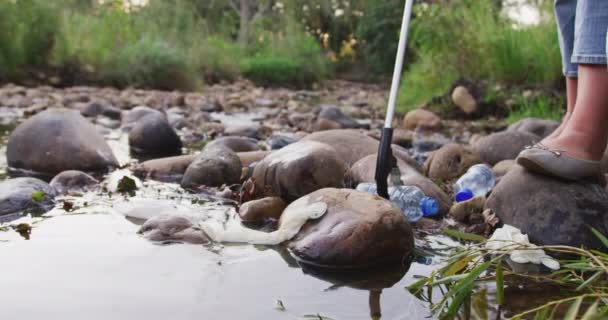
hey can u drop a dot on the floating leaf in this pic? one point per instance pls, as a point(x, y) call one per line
point(38, 196)
point(463, 235)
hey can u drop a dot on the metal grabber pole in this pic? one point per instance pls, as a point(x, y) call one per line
point(386, 160)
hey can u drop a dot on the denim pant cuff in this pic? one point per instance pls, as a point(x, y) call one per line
point(589, 59)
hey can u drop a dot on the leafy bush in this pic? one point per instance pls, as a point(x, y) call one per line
point(149, 63)
point(472, 40)
point(27, 34)
point(378, 33)
point(291, 59)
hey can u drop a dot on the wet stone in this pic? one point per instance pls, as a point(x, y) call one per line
point(539, 127)
point(153, 136)
point(551, 211)
point(214, 167)
point(358, 230)
point(235, 143)
point(298, 170)
point(172, 228)
point(73, 181)
point(25, 194)
point(503, 145)
point(170, 169)
point(57, 140)
point(351, 145)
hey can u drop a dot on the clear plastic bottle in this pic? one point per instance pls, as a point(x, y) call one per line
point(410, 199)
point(478, 181)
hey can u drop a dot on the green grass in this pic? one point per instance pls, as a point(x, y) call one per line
point(470, 40)
point(544, 107)
point(164, 45)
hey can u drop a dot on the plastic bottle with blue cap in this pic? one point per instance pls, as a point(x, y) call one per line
point(476, 182)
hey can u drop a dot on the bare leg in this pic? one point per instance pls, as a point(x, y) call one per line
point(571, 93)
point(586, 132)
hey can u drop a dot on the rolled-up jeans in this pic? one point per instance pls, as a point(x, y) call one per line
point(583, 32)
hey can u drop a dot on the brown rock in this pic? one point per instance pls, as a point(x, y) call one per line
point(352, 145)
point(462, 98)
point(170, 169)
point(462, 210)
point(501, 168)
point(247, 158)
point(262, 210)
point(358, 230)
point(503, 145)
point(365, 169)
point(422, 119)
point(450, 162)
point(299, 169)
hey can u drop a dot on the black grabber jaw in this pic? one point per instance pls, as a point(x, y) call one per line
point(385, 163)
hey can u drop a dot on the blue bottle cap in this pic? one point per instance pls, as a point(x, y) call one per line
point(429, 206)
point(464, 195)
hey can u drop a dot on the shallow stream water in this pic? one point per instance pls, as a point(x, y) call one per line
point(90, 263)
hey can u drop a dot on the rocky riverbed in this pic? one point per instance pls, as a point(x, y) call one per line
point(93, 182)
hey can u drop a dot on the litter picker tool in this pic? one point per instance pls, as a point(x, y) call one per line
point(386, 161)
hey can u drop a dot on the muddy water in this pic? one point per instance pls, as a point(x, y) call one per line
point(90, 263)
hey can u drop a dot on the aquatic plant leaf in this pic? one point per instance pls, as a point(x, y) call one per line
point(463, 235)
point(458, 266)
point(600, 236)
point(126, 184)
point(38, 196)
point(592, 312)
point(589, 281)
point(415, 287)
point(542, 314)
point(574, 309)
point(500, 285)
point(316, 317)
point(462, 289)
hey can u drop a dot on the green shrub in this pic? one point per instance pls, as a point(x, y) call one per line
point(378, 33)
point(542, 106)
point(472, 40)
point(286, 59)
point(150, 63)
point(28, 29)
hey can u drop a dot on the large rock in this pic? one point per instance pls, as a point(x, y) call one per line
point(298, 170)
point(73, 181)
point(450, 162)
point(131, 117)
point(503, 145)
point(152, 135)
point(57, 140)
point(539, 127)
point(358, 230)
point(236, 144)
point(422, 119)
point(214, 167)
point(365, 169)
point(351, 145)
point(25, 194)
point(551, 211)
point(170, 169)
